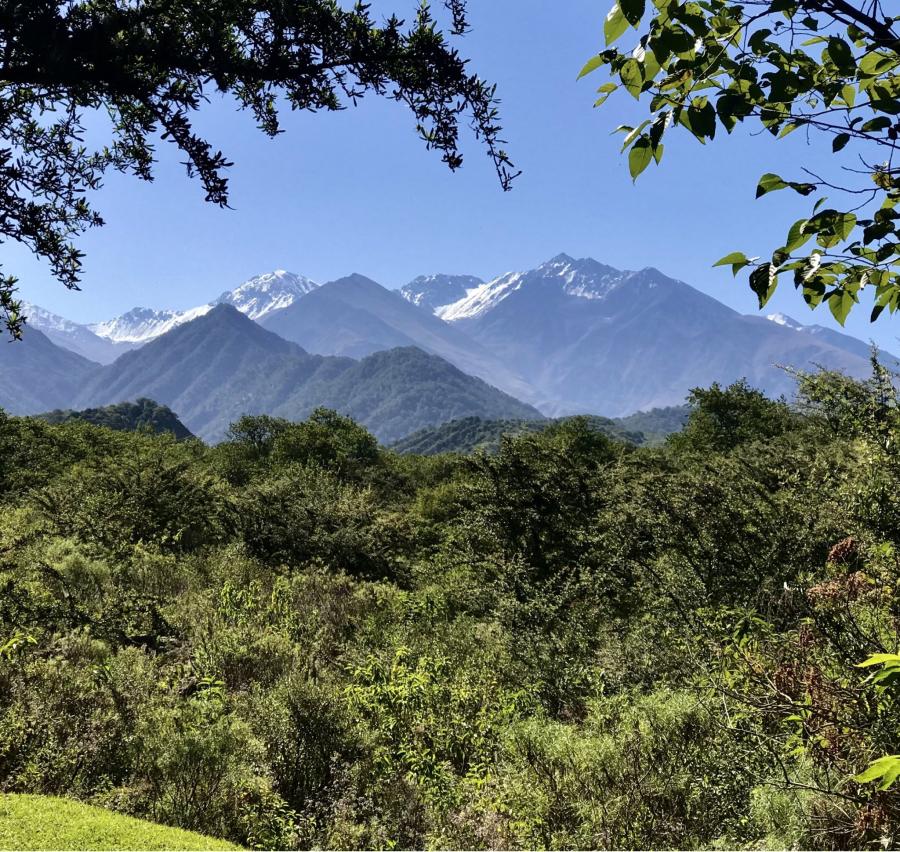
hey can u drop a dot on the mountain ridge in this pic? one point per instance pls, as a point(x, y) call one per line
point(223, 365)
point(355, 316)
point(593, 338)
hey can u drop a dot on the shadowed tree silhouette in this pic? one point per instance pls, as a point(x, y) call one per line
point(150, 64)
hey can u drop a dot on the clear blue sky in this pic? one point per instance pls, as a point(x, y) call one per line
point(356, 191)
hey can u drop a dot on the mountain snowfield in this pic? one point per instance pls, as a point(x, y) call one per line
point(586, 279)
point(572, 336)
point(432, 292)
point(103, 342)
point(593, 339)
point(257, 298)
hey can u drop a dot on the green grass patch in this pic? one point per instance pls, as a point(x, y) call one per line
point(47, 822)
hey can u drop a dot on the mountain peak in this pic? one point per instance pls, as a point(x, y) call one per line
point(272, 291)
point(355, 279)
point(142, 324)
point(785, 320)
point(433, 292)
point(256, 298)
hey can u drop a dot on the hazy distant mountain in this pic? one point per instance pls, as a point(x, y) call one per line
point(591, 338)
point(257, 298)
point(434, 291)
point(125, 417)
point(37, 375)
point(571, 337)
point(72, 335)
point(222, 365)
point(829, 335)
point(355, 316)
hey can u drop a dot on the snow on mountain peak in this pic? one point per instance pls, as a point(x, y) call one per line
point(142, 324)
point(785, 320)
point(433, 292)
point(265, 293)
point(256, 298)
point(480, 299)
point(584, 279)
point(41, 318)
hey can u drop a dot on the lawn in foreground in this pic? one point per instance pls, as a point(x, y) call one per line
point(47, 822)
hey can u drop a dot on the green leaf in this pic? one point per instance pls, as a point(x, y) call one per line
point(591, 65)
point(633, 10)
point(632, 77)
point(650, 63)
point(796, 235)
point(633, 133)
point(840, 304)
point(763, 281)
point(879, 769)
point(769, 183)
point(737, 260)
point(614, 25)
point(839, 142)
point(880, 660)
point(639, 157)
point(841, 55)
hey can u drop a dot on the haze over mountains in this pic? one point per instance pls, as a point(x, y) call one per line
point(569, 337)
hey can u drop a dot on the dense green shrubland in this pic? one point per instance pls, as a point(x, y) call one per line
point(297, 639)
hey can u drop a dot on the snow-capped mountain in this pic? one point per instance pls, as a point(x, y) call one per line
point(786, 321)
point(586, 279)
point(72, 335)
point(257, 298)
point(593, 339)
point(828, 335)
point(40, 318)
point(433, 292)
point(142, 324)
point(264, 294)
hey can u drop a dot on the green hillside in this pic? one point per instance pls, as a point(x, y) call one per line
point(47, 822)
point(468, 434)
point(223, 365)
point(125, 416)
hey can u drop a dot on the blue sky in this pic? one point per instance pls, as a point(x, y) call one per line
point(356, 191)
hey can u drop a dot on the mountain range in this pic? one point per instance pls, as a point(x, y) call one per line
point(568, 337)
point(103, 342)
point(221, 365)
point(590, 338)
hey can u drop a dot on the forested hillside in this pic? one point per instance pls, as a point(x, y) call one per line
point(296, 639)
point(129, 416)
point(470, 434)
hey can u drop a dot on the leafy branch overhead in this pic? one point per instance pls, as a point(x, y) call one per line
point(150, 64)
point(828, 67)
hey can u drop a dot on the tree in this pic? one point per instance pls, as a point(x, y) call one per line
point(150, 64)
point(828, 67)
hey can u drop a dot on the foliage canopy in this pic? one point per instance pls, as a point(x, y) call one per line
point(297, 639)
point(150, 65)
point(828, 68)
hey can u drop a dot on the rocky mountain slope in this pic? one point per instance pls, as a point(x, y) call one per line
point(355, 316)
point(591, 338)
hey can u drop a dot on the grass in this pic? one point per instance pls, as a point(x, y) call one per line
point(46, 822)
